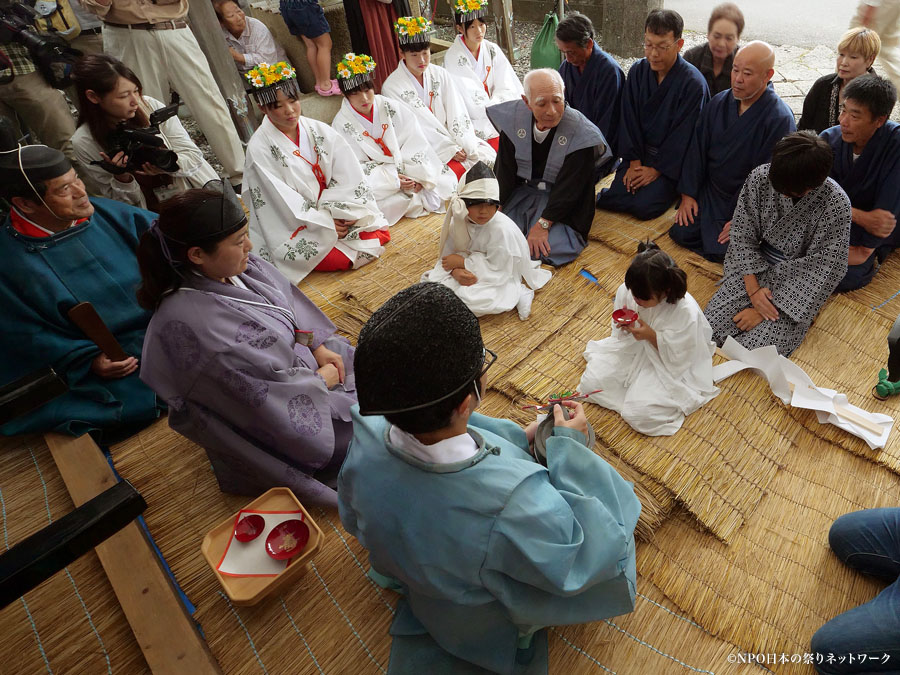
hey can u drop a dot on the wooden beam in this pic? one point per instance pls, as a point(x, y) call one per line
point(167, 635)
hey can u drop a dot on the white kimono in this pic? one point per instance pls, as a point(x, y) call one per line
point(394, 123)
point(291, 224)
point(653, 389)
point(484, 81)
point(498, 256)
point(193, 170)
point(441, 111)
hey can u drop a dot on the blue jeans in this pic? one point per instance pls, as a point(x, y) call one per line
point(868, 541)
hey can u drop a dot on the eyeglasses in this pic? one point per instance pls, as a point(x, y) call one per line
point(489, 359)
point(657, 49)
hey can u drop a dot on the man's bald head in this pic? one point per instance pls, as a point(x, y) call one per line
point(758, 52)
point(545, 96)
point(754, 66)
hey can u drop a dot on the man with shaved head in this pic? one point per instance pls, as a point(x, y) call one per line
point(545, 167)
point(735, 133)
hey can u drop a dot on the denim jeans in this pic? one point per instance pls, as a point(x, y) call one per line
point(868, 541)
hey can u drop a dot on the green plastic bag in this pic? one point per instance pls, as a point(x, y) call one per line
point(544, 53)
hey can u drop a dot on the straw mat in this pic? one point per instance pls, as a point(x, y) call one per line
point(778, 581)
point(71, 623)
point(855, 335)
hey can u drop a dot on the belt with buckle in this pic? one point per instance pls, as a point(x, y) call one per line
point(160, 25)
point(96, 30)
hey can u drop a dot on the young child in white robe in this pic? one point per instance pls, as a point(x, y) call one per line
point(483, 254)
point(433, 95)
point(658, 369)
point(404, 171)
point(482, 71)
point(309, 202)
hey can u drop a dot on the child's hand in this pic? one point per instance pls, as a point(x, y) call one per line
point(641, 331)
point(463, 276)
point(748, 319)
point(452, 261)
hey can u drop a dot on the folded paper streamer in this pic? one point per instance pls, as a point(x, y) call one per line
point(249, 559)
point(793, 386)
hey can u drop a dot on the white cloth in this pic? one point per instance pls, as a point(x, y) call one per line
point(395, 124)
point(498, 256)
point(492, 68)
point(290, 224)
point(164, 59)
point(448, 451)
point(794, 387)
point(193, 170)
point(256, 44)
point(885, 22)
point(441, 111)
point(653, 389)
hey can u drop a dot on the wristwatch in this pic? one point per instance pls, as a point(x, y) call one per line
point(544, 223)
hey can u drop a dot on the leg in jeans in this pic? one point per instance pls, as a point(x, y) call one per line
point(868, 541)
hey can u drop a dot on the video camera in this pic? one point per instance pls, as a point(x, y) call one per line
point(51, 54)
point(143, 145)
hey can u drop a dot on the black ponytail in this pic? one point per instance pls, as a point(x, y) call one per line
point(653, 273)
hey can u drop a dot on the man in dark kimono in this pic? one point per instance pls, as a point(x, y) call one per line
point(736, 132)
point(661, 102)
point(867, 165)
point(60, 248)
point(545, 167)
point(593, 80)
point(788, 248)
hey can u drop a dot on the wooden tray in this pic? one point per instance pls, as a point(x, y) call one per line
point(250, 590)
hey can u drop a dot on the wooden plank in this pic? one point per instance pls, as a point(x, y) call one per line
point(165, 632)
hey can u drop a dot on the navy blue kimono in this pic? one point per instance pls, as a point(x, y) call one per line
point(726, 148)
point(872, 182)
point(655, 126)
point(41, 279)
point(597, 93)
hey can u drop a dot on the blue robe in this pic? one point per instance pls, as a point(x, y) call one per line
point(656, 126)
point(871, 182)
point(493, 546)
point(40, 281)
point(725, 149)
point(597, 92)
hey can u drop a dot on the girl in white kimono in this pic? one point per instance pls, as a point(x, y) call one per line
point(437, 101)
point(484, 256)
point(657, 369)
point(404, 171)
point(310, 204)
point(480, 68)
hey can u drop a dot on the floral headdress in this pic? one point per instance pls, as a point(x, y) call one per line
point(265, 82)
point(467, 10)
point(413, 30)
point(353, 70)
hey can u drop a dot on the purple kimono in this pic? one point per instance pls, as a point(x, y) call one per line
point(238, 384)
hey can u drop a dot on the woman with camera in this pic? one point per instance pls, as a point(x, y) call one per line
point(125, 157)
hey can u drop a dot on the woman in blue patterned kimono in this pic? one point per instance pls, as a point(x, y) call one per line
point(250, 367)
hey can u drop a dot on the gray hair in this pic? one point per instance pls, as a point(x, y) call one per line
point(549, 72)
point(576, 27)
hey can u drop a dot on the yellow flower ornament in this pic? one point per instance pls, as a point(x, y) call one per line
point(266, 80)
point(354, 69)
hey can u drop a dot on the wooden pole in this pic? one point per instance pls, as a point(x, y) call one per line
point(206, 29)
point(167, 635)
point(503, 15)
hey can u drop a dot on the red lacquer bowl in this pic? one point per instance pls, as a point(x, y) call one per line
point(287, 539)
point(624, 317)
point(249, 527)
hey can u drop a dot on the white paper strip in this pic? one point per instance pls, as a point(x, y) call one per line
point(793, 386)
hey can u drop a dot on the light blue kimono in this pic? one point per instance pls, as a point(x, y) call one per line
point(494, 547)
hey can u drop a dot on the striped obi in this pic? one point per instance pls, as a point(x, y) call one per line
point(770, 253)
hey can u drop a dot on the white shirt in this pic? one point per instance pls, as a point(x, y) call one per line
point(541, 136)
point(448, 451)
point(256, 44)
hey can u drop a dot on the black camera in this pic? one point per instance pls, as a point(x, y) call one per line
point(51, 54)
point(143, 145)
